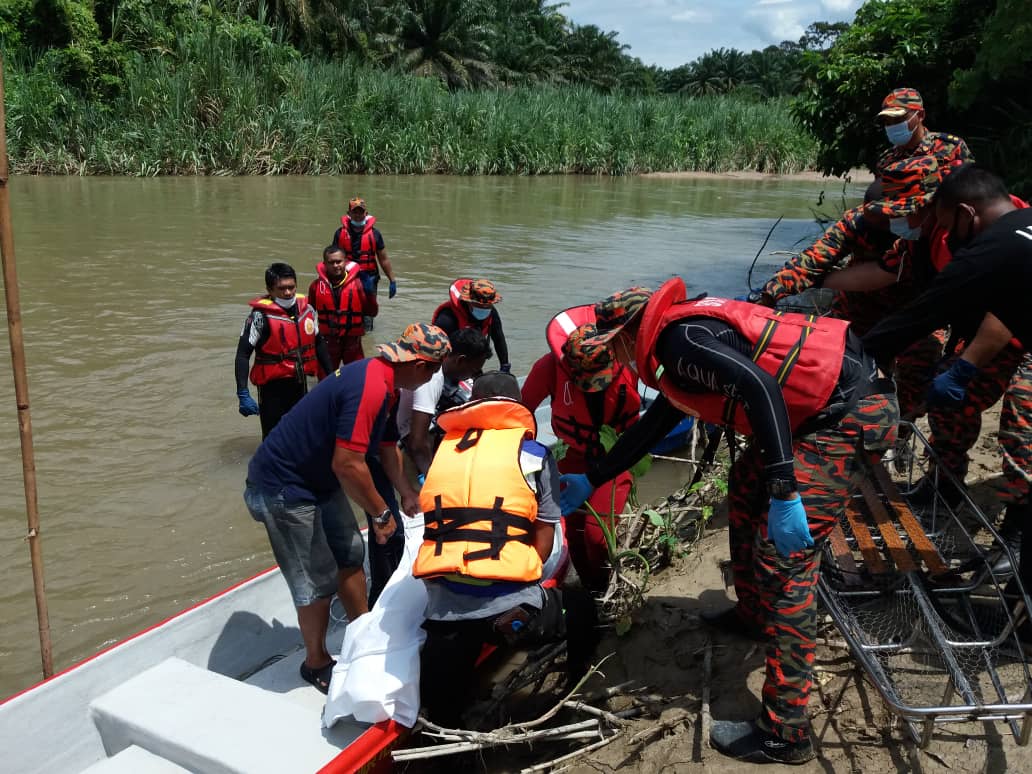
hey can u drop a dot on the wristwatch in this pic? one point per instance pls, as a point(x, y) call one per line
point(781, 488)
point(383, 519)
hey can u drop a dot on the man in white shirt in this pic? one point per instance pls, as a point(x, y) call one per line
point(417, 408)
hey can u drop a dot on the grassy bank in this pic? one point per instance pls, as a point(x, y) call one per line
point(216, 111)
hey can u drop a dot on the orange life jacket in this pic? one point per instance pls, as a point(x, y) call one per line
point(341, 318)
point(289, 351)
point(364, 253)
point(461, 310)
point(803, 352)
point(572, 419)
point(477, 505)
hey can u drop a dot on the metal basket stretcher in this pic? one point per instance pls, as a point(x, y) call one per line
point(915, 596)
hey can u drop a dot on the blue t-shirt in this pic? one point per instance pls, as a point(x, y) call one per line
point(353, 408)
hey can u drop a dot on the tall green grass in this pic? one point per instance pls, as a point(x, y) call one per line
point(209, 111)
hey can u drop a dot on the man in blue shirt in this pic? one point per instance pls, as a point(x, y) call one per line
point(325, 450)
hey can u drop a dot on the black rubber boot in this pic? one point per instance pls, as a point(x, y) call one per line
point(923, 492)
point(746, 741)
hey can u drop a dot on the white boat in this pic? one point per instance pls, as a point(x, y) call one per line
point(213, 689)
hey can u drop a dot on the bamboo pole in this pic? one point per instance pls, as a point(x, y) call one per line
point(21, 394)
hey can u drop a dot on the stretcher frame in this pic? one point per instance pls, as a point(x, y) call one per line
point(881, 555)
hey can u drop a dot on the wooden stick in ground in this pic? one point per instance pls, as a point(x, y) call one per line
point(570, 756)
point(21, 395)
point(704, 714)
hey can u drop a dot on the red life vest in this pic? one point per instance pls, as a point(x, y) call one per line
point(364, 253)
point(291, 342)
point(460, 309)
point(339, 319)
point(572, 420)
point(803, 352)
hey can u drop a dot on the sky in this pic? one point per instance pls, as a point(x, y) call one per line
point(669, 33)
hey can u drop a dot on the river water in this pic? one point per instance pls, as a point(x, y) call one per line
point(133, 293)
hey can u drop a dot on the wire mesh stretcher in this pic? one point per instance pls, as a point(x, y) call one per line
point(915, 596)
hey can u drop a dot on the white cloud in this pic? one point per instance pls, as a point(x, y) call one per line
point(774, 2)
point(840, 6)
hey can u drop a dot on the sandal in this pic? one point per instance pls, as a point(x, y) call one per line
point(320, 678)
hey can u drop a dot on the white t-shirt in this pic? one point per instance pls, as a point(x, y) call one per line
point(423, 399)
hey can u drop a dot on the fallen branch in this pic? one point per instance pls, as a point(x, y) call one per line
point(704, 713)
point(570, 756)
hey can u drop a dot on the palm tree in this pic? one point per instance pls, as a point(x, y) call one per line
point(445, 39)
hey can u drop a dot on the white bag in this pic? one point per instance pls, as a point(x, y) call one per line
point(377, 674)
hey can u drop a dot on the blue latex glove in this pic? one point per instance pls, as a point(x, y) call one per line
point(574, 490)
point(505, 368)
point(950, 387)
point(248, 408)
point(393, 289)
point(787, 527)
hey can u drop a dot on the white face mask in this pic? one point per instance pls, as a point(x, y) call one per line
point(286, 303)
point(480, 312)
point(901, 228)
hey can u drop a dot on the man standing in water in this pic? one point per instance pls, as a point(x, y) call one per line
point(814, 402)
point(284, 331)
point(339, 299)
point(362, 243)
point(300, 479)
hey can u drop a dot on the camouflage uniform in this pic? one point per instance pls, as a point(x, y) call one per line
point(948, 149)
point(848, 241)
point(955, 429)
point(780, 592)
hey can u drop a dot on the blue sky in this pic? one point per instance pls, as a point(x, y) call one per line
point(671, 32)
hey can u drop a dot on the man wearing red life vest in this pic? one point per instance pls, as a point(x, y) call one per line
point(471, 304)
point(284, 332)
point(813, 402)
point(587, 390)
point(363, 244)
point(338, 298)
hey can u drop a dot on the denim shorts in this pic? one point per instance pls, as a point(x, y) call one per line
point(311, 541)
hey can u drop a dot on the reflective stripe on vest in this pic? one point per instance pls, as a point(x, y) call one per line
point(477, 506)
point(803, 353)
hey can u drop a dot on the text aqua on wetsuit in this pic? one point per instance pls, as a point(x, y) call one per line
point(289, 351)
point(340, 315)
point(477, 505)
point(460, 310)
point(364, 254)
point(572, 418)
point(803, 352)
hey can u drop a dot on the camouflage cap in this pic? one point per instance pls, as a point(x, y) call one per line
point(900, 102)
point(614, 312)
point(590, 363)
point(419, 342)
point(481, 292)
point(907, 186)
point(357, 203)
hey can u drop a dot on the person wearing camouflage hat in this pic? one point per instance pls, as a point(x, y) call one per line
point(813, 401)
point(340, 442)
point(902, 115)
point(472, 303)
point(588, 390)
point(363, 244)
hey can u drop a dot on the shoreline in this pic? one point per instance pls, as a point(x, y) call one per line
point(857, 175)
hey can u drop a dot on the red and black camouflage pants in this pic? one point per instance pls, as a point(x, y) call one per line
point(955, 429)
point(915, 369)
point(777, 593)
